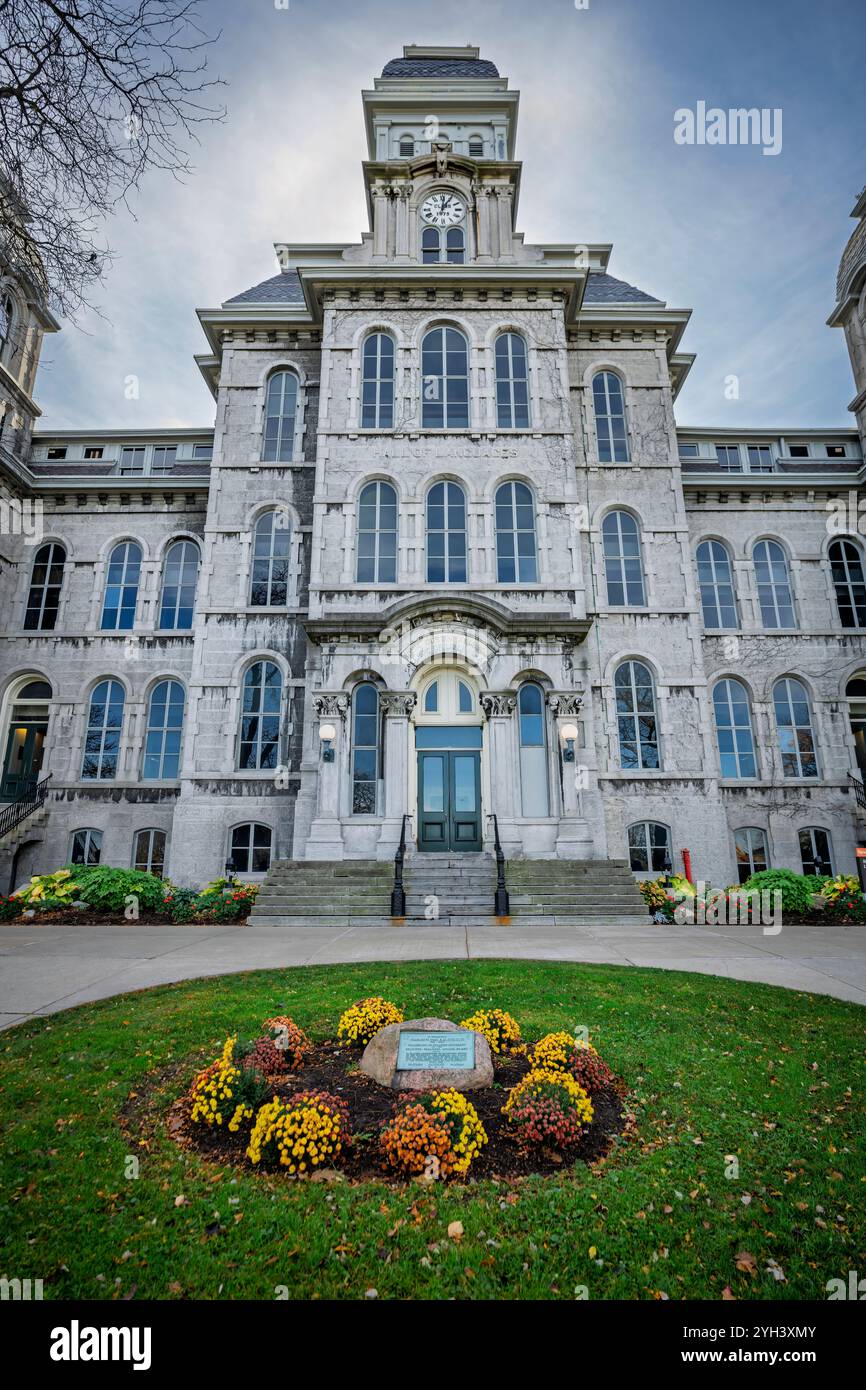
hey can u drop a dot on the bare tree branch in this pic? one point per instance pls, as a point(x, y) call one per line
point(93, 94)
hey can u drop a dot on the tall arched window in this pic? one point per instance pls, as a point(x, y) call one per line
point(104, 725)
point(377, 382)
point(7, 316)
point(377, 534)
point(445, 380)
point(443, 245)
point(365, 749)
point(446, 534)
point(716, 583)
point(816, 851)
point(281, 404)
point(750, 850)
point(794, 727)
point(46, 582)
point(734, 729)
point(774, 585)
point(260, 717)
point(121, 588)
point(649, 848)
point(512, 382)
point(164, 732)
point(269, 574)
point(623, 567)
point(179, 576)
point(610, 425)
point(636, 717)
point(515, 535)
point(846, 567)
point(534, 791)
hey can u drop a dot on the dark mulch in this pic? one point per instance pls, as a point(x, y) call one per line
point(88, 917)
point(334, 1068)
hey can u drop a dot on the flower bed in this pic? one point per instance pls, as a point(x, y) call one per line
point(541, 1115)
point(767, 897)
point(124, 897)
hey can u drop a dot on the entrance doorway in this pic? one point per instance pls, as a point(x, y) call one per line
point(448, 741)
point(449, 800)
point(855, 690)
point(25, 740)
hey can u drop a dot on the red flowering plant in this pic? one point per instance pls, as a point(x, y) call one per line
point(548, 1107)
point(10, 908)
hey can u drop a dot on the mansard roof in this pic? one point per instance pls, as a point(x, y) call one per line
point(606, 289)
point(440, 67)
point(284, 288)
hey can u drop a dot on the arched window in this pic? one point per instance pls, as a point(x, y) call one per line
point(649, 848)
point(281, 404)
point(121, 588)
point(446, 534)
point(515, 535)
point(846, 567)
point(407, 147)
point(250, 848)
point(610, 426)
point(7, 315)
point(794, 727)
point(816, 851)
point(179, 576)
point(623, 567)
point(534, 791)
point(734, 730)
point(750, 849)
point(716, 583)
point(365, 749)
point(377, 382)
point(465, 700)
point(445, 373)
point(377, 534)
point(441, 244)
point(260, 717)
point(269, 575)
point(164, 732)
point(148, 854)
point(431, 698)
point(85, 847)
point(636, 717)
point(774, 585)
point(476, 147)
point(46, 582)
point(104, 724)
point(512, 382)
point(447, 696)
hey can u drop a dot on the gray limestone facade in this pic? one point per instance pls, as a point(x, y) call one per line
point(443, 555)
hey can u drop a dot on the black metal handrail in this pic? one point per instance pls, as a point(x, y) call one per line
point(398, 892)
point(501, 902)
point(23, 806)
point(859, 790)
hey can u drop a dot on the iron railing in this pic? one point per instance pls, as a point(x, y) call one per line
point(501, 903)
point(23, 806)
point(398, 892)
point(859, 790)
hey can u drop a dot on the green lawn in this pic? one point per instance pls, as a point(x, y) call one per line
point(715, 1068)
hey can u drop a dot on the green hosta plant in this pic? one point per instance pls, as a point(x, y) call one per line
point(58, 889)
point(797, 889)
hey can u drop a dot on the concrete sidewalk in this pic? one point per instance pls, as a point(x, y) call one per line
point(44, 969)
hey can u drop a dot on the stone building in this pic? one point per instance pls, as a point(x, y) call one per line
point(444, 554)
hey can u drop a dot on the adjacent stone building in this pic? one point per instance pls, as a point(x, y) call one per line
point(444, 555)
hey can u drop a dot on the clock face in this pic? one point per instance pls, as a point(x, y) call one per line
point(442, 210)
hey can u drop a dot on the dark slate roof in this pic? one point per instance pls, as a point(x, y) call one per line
point(440, 67)
point(604, 289)
point(284, 288)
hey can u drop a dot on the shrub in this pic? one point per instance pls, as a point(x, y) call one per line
point(299, 1133)
point(499, 1028)
point(844, 899)
point(180, 903)
point(226, 1092)
point(263, 1056)
point(437, 1133)
point(106, 889)
point(365, 1019)
point(548, 1107)
point(60, 887)
point(796, 889)
point(231, 907)
point(10, 908)
point(562, 1052)
point(291, 1040)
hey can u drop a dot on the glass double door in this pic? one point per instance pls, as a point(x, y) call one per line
point(24, 751)
point(449, 800)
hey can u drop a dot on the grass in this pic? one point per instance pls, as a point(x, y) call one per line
point(716, 1068)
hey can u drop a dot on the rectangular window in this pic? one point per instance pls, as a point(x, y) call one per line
point(202, 451)
point(164, 456)
point(688, 451)
point(132, 460)
point(835, 451)
point(93, 451)
point(799, 451)
point(760, 458)
point(728, 456)
point(59, 453)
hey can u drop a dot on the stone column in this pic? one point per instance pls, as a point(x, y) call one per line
point(326, 833)
point(506, 227)
point(397, 706)
point(404, 192)
point(499, 707)
point(381, 210)
point(574, 839)
point(482, 202)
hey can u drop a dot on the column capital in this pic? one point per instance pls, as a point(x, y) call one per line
point(498, 703)
point(399, 703)
point(331, 705)
point(564, 702)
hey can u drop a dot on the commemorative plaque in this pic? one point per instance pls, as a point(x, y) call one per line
point(426, 1053)
point(429, 1051)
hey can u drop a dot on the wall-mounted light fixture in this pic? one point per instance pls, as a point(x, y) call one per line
point(327, 734)
point(568, 733)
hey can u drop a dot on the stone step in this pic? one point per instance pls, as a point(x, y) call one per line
point(287, 920)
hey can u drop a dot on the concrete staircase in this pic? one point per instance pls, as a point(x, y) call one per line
point(446, 888)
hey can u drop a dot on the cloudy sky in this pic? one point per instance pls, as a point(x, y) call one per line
point(751, 243)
